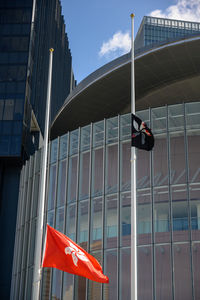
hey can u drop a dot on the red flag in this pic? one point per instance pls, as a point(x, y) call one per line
point(62, 253)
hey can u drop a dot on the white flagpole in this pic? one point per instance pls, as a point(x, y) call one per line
point(133, 181)
point(41, 202)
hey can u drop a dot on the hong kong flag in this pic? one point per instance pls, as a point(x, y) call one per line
point(62, 253)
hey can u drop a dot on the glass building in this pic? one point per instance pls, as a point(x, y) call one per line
point(154, 31)
point(89, 181)
point(28, 28)
point(88, 199)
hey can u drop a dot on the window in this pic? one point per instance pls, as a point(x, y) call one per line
point(15, 43)
point(18, 111)
point(1, 108)
point(8, 109)
point(15, 15)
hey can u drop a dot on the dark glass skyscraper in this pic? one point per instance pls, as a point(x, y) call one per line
point(28, 28)
point(154, 31)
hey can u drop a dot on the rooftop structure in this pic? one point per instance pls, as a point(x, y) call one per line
point(154, 31)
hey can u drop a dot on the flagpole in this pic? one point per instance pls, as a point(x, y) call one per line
point(133, 181)
point(41, 202)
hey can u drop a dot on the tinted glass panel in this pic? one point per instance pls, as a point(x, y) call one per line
point(74, 142)
point(83, 224)
point(72, 179)
point(97, 172)
point(110, 290)
point(125, 271)
point(62, 182)
point(182, 262)
point(15, 15)
point(144, 212)
point(160, 156)
point(125, 127)
point(163, 272)
point(56, 284)
point(17, 43)
point(192, 111)
point(12, 73)
point(46, 277)
point(180, 213)
point(67, 286)
point(196, 270)
point(176, 117)
point(159, 121)
point(111, 222)
point(98, 134)
point(60, 215)
point(125, 178)
point(54, 150)
point(1, 108)
point(63, 146)
point(195, 211)
point(143, 169)
point(4, 145)
point(125, 224)
point(52, 187)
point(112, 130)
point(193, 142)
point(95, 288)
point(84, 175)
point(177, 157)
point(71, 222)
point(96, 224)
point(80, 288)
point(162, 215)
point(112, 169)
point(8, 109)
point(85, 138)
point(145, 273)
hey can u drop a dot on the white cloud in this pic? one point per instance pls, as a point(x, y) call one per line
point(119, 44)
point(187, 10)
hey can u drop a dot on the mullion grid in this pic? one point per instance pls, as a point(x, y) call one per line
point(188, 200)
point(152, 216)
point(30, 220)
point(170, 204)
point(103, 206)
point(77, 204)
point(45, 212)
point(17, 235)
point(90, 202)
point(23, 220)
point(55, 208)
point(65, 204)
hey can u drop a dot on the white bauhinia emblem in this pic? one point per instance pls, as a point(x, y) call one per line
point(76, 253)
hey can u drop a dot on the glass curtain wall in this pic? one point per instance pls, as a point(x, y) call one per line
point(88, 199)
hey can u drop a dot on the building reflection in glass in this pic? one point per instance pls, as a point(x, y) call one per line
point(89, 200)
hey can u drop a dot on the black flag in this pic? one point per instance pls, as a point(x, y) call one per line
point(141, 136)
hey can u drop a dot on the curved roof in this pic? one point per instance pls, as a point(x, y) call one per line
point(167, 74)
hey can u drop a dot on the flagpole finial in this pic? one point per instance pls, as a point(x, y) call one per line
point(51, 49)
point(132, 15)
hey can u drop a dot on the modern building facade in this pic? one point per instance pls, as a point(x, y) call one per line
point(154, 31)
point(89, 181)
point(28, 28)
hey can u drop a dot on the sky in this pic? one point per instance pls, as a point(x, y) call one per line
point(100, 30)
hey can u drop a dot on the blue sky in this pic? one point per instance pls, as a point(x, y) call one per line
point(99, 30)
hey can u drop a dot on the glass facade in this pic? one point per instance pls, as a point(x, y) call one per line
point(154, 31)
point(15, 27)
point(24, 59)
point(88, 199)
point(28, 29)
